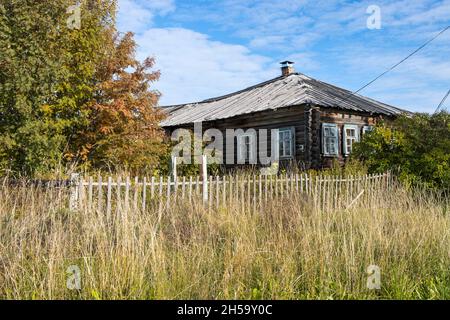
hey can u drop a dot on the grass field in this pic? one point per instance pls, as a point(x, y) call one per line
point(288, 250)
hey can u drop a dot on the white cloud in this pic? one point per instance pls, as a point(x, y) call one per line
point(194, 67)
point(137, 15)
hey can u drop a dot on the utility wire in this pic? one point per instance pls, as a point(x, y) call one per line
point(399, 63)
point(443, 101)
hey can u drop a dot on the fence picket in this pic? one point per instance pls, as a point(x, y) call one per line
point(127, 194)
point(190, 189)
point(217, 191)
point(144, 194)
point(136, 190)
point(90, 193)
point(168, 191)
point(100, 193)
point(108, 198)
point(152, 188)
point(224, 192)
point(119, 194)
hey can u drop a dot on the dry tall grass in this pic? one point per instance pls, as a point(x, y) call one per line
point(289, 250)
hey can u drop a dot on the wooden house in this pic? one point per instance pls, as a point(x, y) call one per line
point(318, 122)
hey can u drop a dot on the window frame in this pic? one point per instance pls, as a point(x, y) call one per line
point(335, 127)
point(366, 129)
point(356, 139)
point(291, 131)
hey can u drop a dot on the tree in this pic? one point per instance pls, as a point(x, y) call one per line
point(417, 146)
point(46, 78)
point(123, 130)
point(30, 69)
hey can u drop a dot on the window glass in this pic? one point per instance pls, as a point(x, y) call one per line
point(286, 143)
point(330, 139)
point(350, 137)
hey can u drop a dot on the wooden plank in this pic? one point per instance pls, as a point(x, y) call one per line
point(236, 191)
point(183, 188)
point(90, 193)
point(100, 194)
point(293, 183)
point(210, 192)
point(197, 185)
point(307, 183)
point(301, 183)
point(160, 196)
point(119, 194)
point(224, 191)
point(266, 188)
point(190, 189)
point(169, 181)
point(204, 173)
point(127, 194)
point(108, 198)
point(152, 188)
point(249, 193)
point(230, 198)
point(81, 192)
point(217, 191)
point(136, 190)
point(276, 187)
point(175, 186)
point(144, 194)
point(161, 186)
point(260, 192)
point(328, 198)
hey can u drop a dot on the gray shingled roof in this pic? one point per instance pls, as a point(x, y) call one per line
point(295, 89)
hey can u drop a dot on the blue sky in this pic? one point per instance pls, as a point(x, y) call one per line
point(206, 48)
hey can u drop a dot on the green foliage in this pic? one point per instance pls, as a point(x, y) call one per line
point(30, 68)
point(67, 95)
point(416, 147)
point(46, 77)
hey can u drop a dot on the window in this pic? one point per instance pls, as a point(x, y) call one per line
point(330, 141)
point(350, 137)
point(367, 129)
point(286, 143)
point(246, 149)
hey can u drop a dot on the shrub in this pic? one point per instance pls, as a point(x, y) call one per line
point(416, 147)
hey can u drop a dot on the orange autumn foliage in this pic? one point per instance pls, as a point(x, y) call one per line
point(123, 130)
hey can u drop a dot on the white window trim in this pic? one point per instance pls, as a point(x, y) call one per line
point(291, 130)
point(367, 129)
point(344, 136)
point(331, 126)
point(252, 158)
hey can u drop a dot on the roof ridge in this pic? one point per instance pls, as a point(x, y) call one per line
point(259, 85)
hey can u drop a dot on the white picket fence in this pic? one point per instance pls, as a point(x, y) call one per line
point(328, 192)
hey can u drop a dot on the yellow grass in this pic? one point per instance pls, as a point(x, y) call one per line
point(288, 250)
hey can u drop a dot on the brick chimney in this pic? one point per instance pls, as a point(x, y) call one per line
point(287, 68)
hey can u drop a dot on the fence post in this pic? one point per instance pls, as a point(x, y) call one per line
point(74, 191)
point(173, 167)
point(204, 173)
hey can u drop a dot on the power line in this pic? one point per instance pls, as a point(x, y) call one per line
point(443, 101)
point(399, 63)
